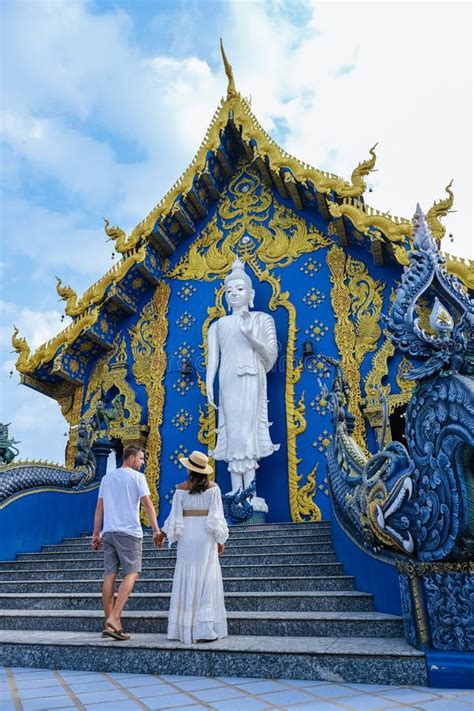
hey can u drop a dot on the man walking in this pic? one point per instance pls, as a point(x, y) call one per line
point(118, 506)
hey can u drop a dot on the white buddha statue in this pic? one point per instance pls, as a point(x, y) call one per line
point(245, 344)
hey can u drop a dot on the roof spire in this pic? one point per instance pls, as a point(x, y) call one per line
point(231, 90)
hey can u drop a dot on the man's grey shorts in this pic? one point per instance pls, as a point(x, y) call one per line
point(122, 550)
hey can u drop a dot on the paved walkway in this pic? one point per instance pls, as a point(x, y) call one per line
point(36, 689)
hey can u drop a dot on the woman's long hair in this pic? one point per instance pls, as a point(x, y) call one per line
point(199, 482)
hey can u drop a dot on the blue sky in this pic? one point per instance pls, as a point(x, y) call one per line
point(105, 103)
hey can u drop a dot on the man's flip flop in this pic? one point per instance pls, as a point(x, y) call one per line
point(118, 635)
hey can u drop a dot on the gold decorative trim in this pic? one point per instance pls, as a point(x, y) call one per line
point(346, 337)
point(73, 417)
point(437, 210)
point(420, 612)
point(111, 371)
point(373, 382)
point(236, 108)
point(27, 363)
point(398, 231)
point(307, 509)
point(95, 293)
point(156, 392)
point(414, 568)
point(279, 242)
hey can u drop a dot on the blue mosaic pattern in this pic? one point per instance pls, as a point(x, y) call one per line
point(182, 419)
point(323, 441)
point(317, 330)
point(310, 267)
point(314, 297)
point(184, 351)
point(180, 451)
point(184, 384)
point(187, 291)
point(185, 321)
point(320, 404)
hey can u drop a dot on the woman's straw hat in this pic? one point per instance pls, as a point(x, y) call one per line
point(197, 462)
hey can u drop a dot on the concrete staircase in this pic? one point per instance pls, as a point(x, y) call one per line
point(292, 613)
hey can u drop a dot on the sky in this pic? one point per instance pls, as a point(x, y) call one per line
point(105, 102)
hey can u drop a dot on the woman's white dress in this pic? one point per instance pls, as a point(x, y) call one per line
point(197, 608)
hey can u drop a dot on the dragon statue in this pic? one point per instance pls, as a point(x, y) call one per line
point(237, 506)
point(8, 451)
point(28, 476)
point(416, 501)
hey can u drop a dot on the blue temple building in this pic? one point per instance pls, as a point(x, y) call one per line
point(332, 270)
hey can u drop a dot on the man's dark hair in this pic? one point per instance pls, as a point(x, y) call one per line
point(131, 450)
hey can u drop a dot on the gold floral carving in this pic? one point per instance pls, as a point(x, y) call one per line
point(307, 509)
point(142, 345)
point(346, 337)
point(71, 410)
point(111, 371)
point(366, 307)
point(281, 240)
point(156, 393)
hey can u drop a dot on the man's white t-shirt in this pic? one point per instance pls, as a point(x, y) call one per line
point(121, 491)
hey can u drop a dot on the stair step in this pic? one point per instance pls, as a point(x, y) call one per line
point(161, 556)
point(231, 584)
point(291, 624)
point(334, 600)
point(354, 660)
point(294, 543)
point(249, 533)
point(269, 529)
point(96, 573)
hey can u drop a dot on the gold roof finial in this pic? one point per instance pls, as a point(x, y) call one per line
point(231, 90)
point(437, 210)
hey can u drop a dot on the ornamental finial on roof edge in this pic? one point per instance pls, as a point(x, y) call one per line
point(231, 90)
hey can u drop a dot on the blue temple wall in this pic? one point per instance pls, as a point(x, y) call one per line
point(40, 518)
point(308, 281)
point(371, 574)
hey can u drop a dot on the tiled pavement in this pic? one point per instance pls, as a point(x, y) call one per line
point(36, 689)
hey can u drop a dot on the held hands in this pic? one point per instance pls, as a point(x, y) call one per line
point(158, 539)
point(220, 548)
point(96, 541)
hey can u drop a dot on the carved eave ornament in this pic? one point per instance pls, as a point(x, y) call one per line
point(189, 200)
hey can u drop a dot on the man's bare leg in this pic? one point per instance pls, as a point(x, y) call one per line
point(126, 587)
point(108, 594)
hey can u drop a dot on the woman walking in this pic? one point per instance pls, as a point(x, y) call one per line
point(196, 521)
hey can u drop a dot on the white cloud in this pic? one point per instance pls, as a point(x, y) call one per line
point(36, 326)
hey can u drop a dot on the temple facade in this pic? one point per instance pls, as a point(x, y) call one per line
point(368, 408)
point(324, 263)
